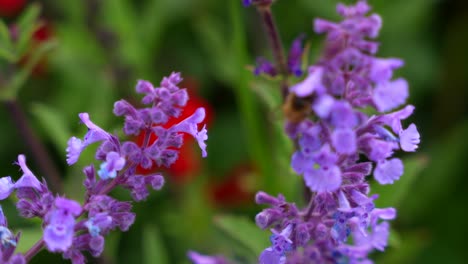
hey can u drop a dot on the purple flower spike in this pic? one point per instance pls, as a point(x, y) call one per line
point(59, 230)
point(114, 162)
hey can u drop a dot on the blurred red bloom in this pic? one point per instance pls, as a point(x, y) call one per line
point(236, 188)
point(189, 161)
point(43, 33)
point(10, 8)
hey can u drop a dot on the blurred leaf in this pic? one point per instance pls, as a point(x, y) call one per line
point(406, 250)
point(23, 74)
point(29, 236)
point(442, 174)
point(153, 247)
point(54, 125)
point(27, 25)
point(213, 40)
point(6, 48)
point(244, 231)
point(393, 195)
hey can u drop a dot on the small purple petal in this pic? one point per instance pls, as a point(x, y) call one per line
point(343, 115)
point(310, 84)
point(6, 188)
point(409, 139)
point(323, 105)
point(387, 171)
point(324, 179)
point(382, 69)
point(28, 179)
point(74, 149)
point(270, 256)
point(189, 125)
point(114, 162)
point(390, 95)
point(344, 141)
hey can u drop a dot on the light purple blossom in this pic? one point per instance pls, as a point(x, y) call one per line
point(6, 187)
point(59, 230)
point(114, 162)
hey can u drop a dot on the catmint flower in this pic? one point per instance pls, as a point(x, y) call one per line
point(6, 187)
point(60, 224)
point(295, 55)
point(263, 66)
point(114, 162)
point(8, 243)
point(340, 223)
point(73, 229)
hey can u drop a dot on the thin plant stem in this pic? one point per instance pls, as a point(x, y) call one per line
point(36, 248)
point(276, 45)
point(35, 146)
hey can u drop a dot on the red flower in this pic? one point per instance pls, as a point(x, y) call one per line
point(10, 8)
point(236, 189)
point(189, 161)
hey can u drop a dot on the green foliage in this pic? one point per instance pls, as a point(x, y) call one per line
point(243, 231)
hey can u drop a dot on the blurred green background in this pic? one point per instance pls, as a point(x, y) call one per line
point(101, 47)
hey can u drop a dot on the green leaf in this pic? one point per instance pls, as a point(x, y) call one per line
point(406, 250)
point(6, 48)
point(21, 77)
point(27, 25)
point(153, 247)
point(29, 236)
point(53, 124)
point(244, 231)
point(393, 195)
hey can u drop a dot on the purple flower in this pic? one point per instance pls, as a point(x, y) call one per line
point(382, 69)
point(388, 171)
point(263, 66)
point(344, 141)
point(270, 256)
point(324, 175)
point(311, 84)
point(295, 56)
point(114, 162)
point(94, 134)
point(6, 187)
point(189, 125)
point(390, 94)
point(59, 230)
point(409, 138)
point(28, 179)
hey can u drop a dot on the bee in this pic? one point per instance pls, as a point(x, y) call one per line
point(296, 108)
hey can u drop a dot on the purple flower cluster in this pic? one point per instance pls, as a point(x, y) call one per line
point(71, 228)
point(352, 127)
point(339, 144)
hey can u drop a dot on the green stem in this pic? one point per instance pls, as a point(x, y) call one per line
point(257, 140)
